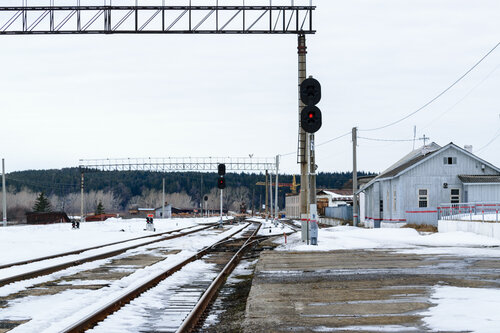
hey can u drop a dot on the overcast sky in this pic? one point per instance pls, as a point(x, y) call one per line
point(63, 98)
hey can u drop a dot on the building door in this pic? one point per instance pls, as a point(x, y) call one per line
point(381, 209)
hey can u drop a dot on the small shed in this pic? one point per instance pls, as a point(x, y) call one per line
point(47, 218)
point(168, 212)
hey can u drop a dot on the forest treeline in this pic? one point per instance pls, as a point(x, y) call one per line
point(118, 190)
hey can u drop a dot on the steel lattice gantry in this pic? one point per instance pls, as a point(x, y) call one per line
point(149, 19)
point(178, 164)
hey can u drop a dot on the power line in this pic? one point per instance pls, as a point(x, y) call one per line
point(336, 138)
point(389, 140)
point(463, 98)
point(437, 97)
point(497, 135)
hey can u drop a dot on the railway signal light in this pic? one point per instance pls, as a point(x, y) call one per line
point(222, 169)
point(310, 119)
point(310, 91)
point(221, 183)
point(205, 198)
point(310, 95)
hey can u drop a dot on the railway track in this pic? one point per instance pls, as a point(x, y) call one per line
point(29, 261)
point(292, 225)
point(122, 283)
point(186, 304)
point(44, 266)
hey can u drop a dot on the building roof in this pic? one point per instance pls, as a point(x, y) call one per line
point(410, 159)
point(344, 194)
point(416, 157)
point(478, 179)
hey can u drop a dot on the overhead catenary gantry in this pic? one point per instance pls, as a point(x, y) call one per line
point(153, 17)
point(180, 164)
point(272, 17)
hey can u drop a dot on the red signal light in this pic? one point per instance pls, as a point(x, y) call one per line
point(311, 115)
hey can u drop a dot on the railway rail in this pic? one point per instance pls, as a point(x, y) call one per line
point(29, 261)
point(81, 260)
point(292, 225)
point(188, 308)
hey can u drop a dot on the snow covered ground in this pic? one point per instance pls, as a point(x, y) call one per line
point(268, 228)
point(346, 237)
point(19, 243)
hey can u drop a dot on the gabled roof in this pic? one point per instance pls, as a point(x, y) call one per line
point(343, 194)
point(417, 157)
point(478, 179)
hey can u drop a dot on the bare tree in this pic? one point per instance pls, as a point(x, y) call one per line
point(233, 197)
point(152, 199)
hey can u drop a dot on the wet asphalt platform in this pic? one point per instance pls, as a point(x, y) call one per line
point(356, 291)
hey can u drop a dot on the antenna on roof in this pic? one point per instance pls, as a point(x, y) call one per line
point(414, 136)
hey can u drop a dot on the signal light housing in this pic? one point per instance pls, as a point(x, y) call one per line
point(221, 169)
point(310, 95)
point(310, 91)
point(221, 183)
point(310, 119)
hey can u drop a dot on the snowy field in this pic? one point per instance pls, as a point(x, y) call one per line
point(19, 243)
point(455, 309)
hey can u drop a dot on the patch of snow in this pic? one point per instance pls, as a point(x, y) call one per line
point(464, 309)
point(34, 241)
point(346, 237)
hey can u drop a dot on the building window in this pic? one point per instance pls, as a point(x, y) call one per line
point(423, 198)
point(450, 160)
point(455, 196)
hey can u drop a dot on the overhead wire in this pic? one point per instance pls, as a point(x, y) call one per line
point(496, 136)
point(437, 96)
point(463, 98)
point(389, 140)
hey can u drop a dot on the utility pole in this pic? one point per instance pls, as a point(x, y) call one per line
point(312, 172)
point(276, 208)
point(260, 203)
point(271, 216)
point(82, 218)
point(163, 200)
point(4, 195)
point(221, 198)
point(201, 195)
point(354, 177)
point(267, 199)
point(253, 201)
point(303, 144)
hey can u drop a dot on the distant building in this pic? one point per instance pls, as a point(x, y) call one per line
point(99, 217)
point(412, 189)
point(324, 198)
point(292, 205)
point(168, 212)
point(47, 218)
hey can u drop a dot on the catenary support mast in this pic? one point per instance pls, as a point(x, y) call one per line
point(4, 195)
point(355, 217)
point(303, 137)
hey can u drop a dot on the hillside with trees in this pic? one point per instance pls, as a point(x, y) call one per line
point(117, 191)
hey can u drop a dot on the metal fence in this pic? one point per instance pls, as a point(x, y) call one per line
point(340, 212)
point(477, 211)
